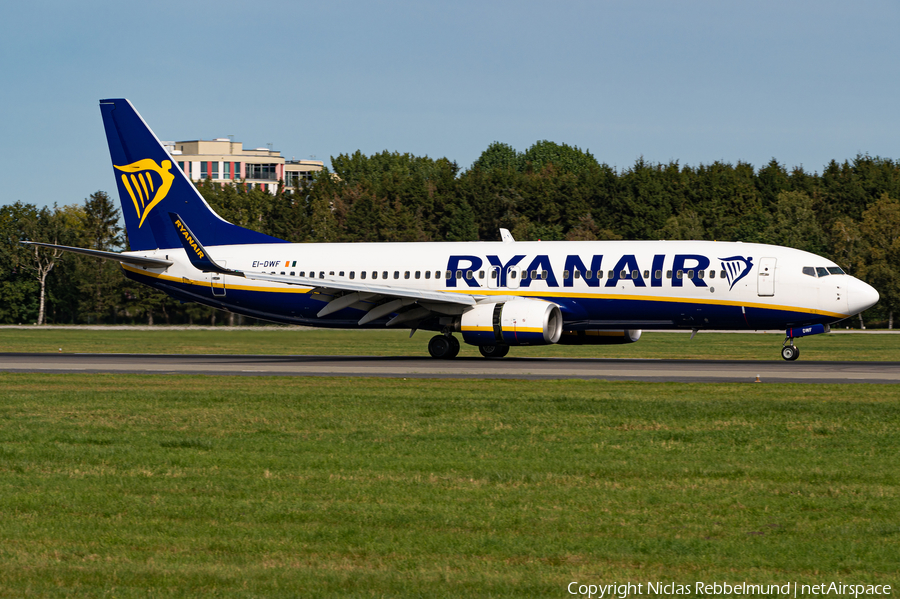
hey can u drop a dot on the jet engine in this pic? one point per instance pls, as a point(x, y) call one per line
point(516, 322)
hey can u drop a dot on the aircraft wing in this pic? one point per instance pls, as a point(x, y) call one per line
point(378, 300)
point(117, 256)
point(409, 305)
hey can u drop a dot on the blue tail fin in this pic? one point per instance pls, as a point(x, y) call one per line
point(151, 185)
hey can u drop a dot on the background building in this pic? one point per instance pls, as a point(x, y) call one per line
point(225, 160)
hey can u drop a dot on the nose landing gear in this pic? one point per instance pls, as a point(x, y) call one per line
point(790, 352)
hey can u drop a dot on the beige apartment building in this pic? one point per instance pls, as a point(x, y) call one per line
point(223, 160)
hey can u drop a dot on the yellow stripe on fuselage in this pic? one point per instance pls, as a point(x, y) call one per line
point(207, 284)
point(650, 298)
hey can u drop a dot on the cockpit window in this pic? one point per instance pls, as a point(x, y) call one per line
point(836, 270)
point(822, 271)
point(809, 271)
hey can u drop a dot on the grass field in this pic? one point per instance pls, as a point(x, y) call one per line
point(273, 340)
point(283, 487)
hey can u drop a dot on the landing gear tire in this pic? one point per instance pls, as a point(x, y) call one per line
point(493, 351)
point(454, 347)
point(443, 347)
point(790, 352)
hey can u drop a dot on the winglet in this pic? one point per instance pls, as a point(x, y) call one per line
point(506, 236)
point(196, 253)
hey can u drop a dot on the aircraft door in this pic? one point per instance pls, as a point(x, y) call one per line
point(766, 277)
point(513, 273)
point(493, 277)
point(217, 281)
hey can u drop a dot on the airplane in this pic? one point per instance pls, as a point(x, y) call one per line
point(494, 294)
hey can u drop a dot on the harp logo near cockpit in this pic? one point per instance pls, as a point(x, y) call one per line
point(147, 183)
point(736, 268)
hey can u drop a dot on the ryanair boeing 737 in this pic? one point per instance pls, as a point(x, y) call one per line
point(495, 294)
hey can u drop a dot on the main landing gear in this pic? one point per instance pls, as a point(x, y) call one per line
point(446, 347)
point(493, 351)
point(443, 347)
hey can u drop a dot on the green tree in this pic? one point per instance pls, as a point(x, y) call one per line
point(566, 158)
point(53, 226)
point(19, 290)
point(499, 156)
point(101, 280)
point(794, 223)
point(880, 228)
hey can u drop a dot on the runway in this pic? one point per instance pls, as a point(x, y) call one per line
point(424, 367)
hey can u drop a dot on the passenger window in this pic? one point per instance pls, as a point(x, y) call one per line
point(524, 275)
point(384, 274)
point(352, 274)
point(331, 273)
point(449, 274)
point(646, 274)
point(458, 274)
point(282, 272)
point(493, 274)
point(302, 274)
point(690, 274)
point(588, 274)
point(712, 274)
point(722, 274)
point(418, 274)
point(668, 274)
point(480, 274)
point(322, 274)
point(576, 274)
point(512, 274)
point(468, 275)
point(427, 274)
point(822, 271)
point(809, 271)
point(701, 273)
point(374, 274)
point(292, 273)
point(679, 274)
point(622, 274)
point(612, 274)
point(544, 274)
point(362, 274)
point(658, 274)
point(635, 274)
point(599, 274)
point(437, 274)
point(341, 274)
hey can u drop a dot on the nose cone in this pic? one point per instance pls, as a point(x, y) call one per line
point(861, 296)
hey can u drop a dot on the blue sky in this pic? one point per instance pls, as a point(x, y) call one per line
point(803, 82)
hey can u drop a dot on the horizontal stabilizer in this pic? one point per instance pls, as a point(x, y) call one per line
point(117, 256)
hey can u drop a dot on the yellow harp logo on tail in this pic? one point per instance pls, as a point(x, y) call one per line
point(147, 183)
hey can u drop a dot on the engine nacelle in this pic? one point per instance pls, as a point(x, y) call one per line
point(516, 322)
point(598, 337)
